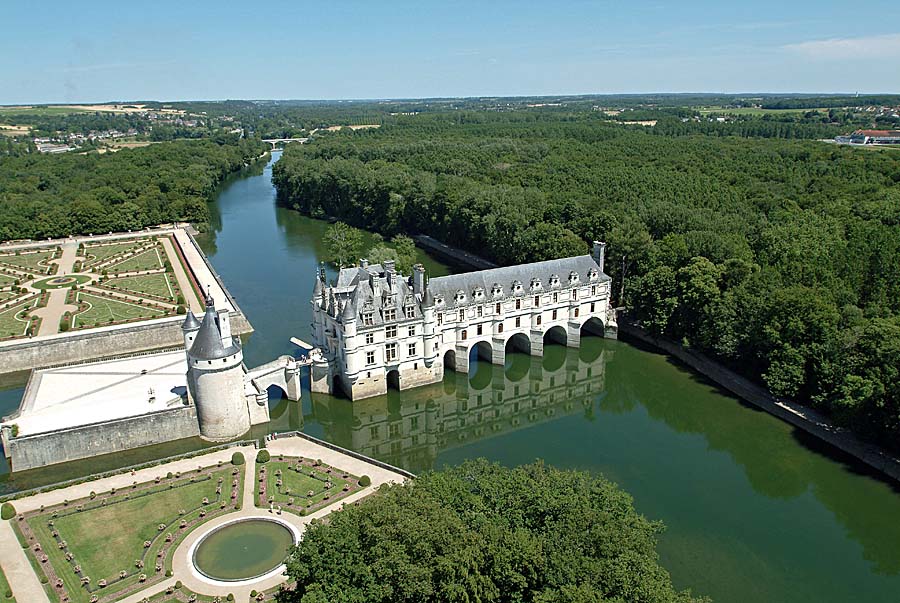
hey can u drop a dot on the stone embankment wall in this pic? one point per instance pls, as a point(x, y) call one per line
point(100, 343)
point(39, 450)
point(796, 414)
point(452, 254)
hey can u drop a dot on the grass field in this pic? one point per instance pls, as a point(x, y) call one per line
point(4, 588)
point(298, 484)
point(40, 110)
point(151, 284)
point(98, 253)
point(103, 310)
point(5, 295)
point(10, 326)
point(148, 260)
point(28, 261)
point(5, 280)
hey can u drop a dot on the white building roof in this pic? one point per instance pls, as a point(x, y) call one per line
point(71, 396)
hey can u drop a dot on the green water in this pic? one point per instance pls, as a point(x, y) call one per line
point(243, 550)
point(755, 510)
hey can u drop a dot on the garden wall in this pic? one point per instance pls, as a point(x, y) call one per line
point(63, 445)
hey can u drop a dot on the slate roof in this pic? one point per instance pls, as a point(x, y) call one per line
point(208, 342)
point(190, 322)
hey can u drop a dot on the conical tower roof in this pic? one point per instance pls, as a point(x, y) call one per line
point(191, 323)
point(349, 312)
point(208, 342)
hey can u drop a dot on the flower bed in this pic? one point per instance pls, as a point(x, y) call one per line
point(300, 485)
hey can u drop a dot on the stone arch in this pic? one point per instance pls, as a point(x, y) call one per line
point(450, 359)
point(480, 350)
point(393, 379)
point(555, 335)
point(276, 393)
point(518, 342)
point(593, 326)
point(337, 387)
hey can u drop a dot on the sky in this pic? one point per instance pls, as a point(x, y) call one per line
point(57, 51)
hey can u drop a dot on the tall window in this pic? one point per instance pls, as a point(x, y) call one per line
point(410, 311)
point(411, 349)
point(412, 331)
point(440, 318)
point(500, 328)
point(538, 319)
point(518, 321)
point(555, 297)
point(463, 335)
point(390, 332)
point(370, 338)
point(574, 293)
point(576, 312)
point(370, 358)
point(367, 319)
point(478, 329)
point(554, 315)
point(497, 308)
point(479, 311)
point(593, 289)
point(462, 315)
point(518, 304)
point(391, 351)
point(592, 307)
point(390, 314)
point(537, 301)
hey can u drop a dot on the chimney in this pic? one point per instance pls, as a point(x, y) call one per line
point(418, 280)
point(363, 263)
point(389, 272)
point(599, 253)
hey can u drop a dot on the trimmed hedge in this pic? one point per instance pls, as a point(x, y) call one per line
point(7, 511)
point(263, 456)
point(365, 481)
point(237, 458)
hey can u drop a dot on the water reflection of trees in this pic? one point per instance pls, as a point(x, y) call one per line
point(411, 428)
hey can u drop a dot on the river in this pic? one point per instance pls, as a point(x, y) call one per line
point(755, 511)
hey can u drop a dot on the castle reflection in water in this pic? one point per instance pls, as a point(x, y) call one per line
point(411, 429)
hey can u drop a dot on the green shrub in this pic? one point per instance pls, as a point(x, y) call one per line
point(44, 579)
point(365, 481)
point(237, 458)
point(230, 597)
point(7, 511)
point(178, 584)
point(263, 456)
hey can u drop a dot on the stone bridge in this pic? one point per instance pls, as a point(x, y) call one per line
point(283, 372)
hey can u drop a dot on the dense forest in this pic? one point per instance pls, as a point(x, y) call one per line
point(482, 532)
point(779, 257)
point(58, 195)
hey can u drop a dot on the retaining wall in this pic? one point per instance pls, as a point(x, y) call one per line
point(100, 343)
point(41, 449)
point(796, 414)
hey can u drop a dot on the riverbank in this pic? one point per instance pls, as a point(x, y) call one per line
point(796, 414)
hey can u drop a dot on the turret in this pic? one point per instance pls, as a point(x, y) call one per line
point(216, 377)
point(189, 328)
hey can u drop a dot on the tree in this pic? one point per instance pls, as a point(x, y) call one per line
point(482, 532)
point(343, 244)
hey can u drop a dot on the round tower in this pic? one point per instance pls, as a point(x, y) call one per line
point(189, 329)
point(216, 379)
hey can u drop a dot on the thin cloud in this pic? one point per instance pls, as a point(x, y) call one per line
point(868, 47)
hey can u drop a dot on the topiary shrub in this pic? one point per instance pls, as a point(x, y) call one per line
point(263, 456)
point(7, 511)
point(237, 458)
point(178, 584)
point(230, 597)
point(365, 481)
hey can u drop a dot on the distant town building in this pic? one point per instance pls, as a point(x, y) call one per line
point(871, 137)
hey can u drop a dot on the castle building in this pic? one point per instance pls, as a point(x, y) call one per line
point(377, 329)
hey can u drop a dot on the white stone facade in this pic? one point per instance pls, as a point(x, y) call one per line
point(378, 329)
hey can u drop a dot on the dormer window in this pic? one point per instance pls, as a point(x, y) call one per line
point(460, 296)
point(517, 286)
point(535, 284)
point(368, 319)
point(554, 280)
point(478, 293)
point(496, 290)
point(439, 300)
point(593, 274)
point(573, 277)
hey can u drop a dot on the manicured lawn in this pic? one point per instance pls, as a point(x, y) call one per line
point(4, 588)
point(98, 253)
point(108, 539)
point(102, 310)
point(9, 324)
point(147, 260)
point(28, 261)
point(152, 284)
point(6, 279)
point(297, 485)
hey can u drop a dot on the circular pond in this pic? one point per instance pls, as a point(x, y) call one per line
point(59, 282)
point(243, 550)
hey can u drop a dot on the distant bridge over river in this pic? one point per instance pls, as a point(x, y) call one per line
point(275, 142)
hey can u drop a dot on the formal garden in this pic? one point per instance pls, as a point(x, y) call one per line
point(300, 485)
point(106, 282)
point(6, 595)
point(110, 544)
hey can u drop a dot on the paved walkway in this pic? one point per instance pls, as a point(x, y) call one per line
point(29, 589)
point(205, 278)
point(56, 305)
